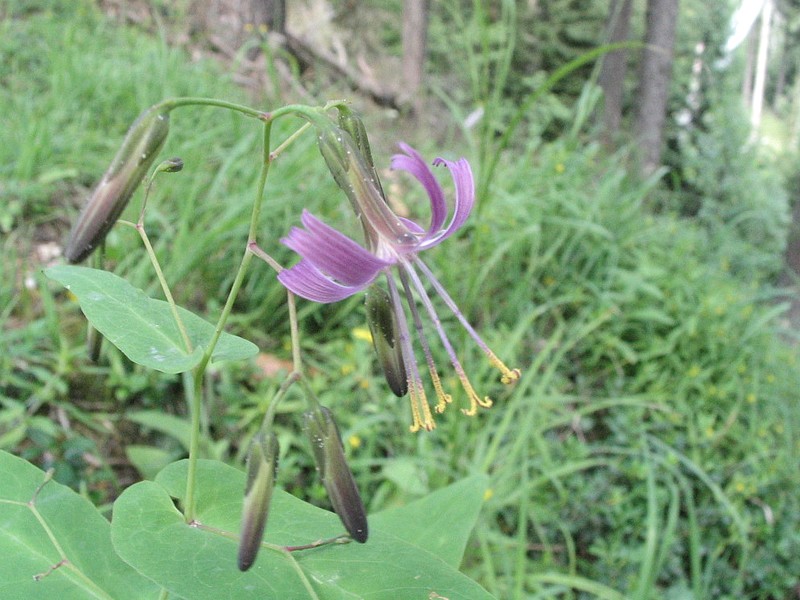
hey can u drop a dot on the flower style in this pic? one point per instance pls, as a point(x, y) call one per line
point(334, 267)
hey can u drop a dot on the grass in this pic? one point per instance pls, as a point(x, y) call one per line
point(649, 450)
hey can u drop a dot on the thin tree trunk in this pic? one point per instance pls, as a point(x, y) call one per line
point(749, 67)
point(615, 64)
point(656, 75)
point(761, 67)
point(415, 33)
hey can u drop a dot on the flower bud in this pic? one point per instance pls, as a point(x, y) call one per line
point(262, 464)
point(172, 165)
point(142, 144)
point(382, 322)
point(360, 183)
point(326, 444)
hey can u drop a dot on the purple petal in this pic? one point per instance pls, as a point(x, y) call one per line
point(413, 163)
point(464, 201)
point(333, 252)
point(308, 282)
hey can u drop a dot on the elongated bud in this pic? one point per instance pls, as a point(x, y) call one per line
point(360, 183)
point(351, 122)
point(382, 322)
point(262, 464)
point(326, 443)
point(142, 144)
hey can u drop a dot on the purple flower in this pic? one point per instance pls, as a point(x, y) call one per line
point(334, 267)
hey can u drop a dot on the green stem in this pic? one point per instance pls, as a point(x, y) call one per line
point(164, 287)
point(195, 400)
point(172, 103)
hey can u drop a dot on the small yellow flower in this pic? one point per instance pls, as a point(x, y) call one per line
point(348, 368)
point(694, 371)
point(740, 486)
point(560, 168)
point(751, 398)
point(354, 441)
point(709, 432)
point(363, 334)
point(487, 495)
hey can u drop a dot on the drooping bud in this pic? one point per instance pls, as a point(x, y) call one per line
point(360, 183)
point(351, 122)
point(142, 144)
point(262, 464)
point(385, 331)
point(171, 165)
point(326, 444)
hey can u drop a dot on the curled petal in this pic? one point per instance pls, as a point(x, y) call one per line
point(333, 252)
point(464, 201)
point(413, 163)
point(305, 280)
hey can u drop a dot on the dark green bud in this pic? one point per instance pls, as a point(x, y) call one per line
point(262, 464)
point(142, 144)
point(326, 444)
point(359, 181)
point(385, 331)
point(171, 165)
point(332, 142)
point(351, 122)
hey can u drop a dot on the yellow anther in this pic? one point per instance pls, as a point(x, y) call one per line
point(474, 400)
point(507, 375)
point(444, 397)
point(421, 417)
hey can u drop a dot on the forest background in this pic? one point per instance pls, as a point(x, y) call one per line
point(650, 450)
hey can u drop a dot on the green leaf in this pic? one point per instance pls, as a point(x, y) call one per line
point(192, 562)
point(33, 526)
point(425, 524)
point(175, 427)
point(147, 459)
point(141, 327)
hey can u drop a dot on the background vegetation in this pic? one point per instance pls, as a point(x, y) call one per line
point(650, 449)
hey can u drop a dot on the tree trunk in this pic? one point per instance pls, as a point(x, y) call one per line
point(415, 33)
point(656, 75)
point(761, 68)
point(268, 15)
point(612, 74)
point(749, 68)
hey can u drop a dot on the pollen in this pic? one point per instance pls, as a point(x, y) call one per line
point(507, 375)
point(474, 400)
point(421, 417)
point(444, 397)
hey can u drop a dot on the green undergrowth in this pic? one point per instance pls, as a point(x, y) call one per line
point(649, 450)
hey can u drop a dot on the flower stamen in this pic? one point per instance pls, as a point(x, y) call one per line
point(507, 375)
point(420, 411)
point(474, 400)
point(443, 397)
